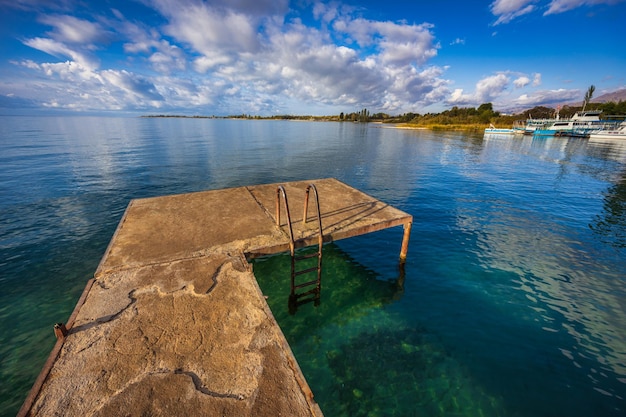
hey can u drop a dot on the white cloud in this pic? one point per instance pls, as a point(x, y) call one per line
point(70, 71)
point(71, 85)
point(69, 29)
point(300, 64)
point(132, 84)
point(501, 7)
point(167, 59)
point(305, 65)
point(163, 56)
point(521, 82)
point(560, 6)
point(235, 55)
point(223, 27)
point(325, 12)
point(507, 10)
point(206, 30)
point(28, 64)
point(59, 5)
point(70, 38)
point(398, 43)
point(208, 62)
point(61, 50)
point(243, 55)
point(457, 97)
point(547, 98)
point(259, 8)
point(487, 90)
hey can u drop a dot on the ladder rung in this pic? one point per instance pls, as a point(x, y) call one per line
point(309, 292)
point(314, 292)
point(302, 302)
point(306, 284)
point(309, 256)
point(305, 271)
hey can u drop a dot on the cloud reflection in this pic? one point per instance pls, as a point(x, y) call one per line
point(569, 290)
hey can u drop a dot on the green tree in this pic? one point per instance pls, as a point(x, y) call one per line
point(364, 115)
point(485, 112)
point(588, 96)
point(612, 108)
point(485, 107)
point(540, 112)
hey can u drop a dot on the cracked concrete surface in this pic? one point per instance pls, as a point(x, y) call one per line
point(160, 346)
point(175, 323)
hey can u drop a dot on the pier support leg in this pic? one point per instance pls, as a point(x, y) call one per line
point(60, 331)
point(405, 242)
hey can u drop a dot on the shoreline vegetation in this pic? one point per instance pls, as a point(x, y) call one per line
point(457, 118)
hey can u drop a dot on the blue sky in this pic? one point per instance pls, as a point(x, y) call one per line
point(270, 57)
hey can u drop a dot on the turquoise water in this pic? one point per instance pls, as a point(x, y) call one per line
point(512, 301)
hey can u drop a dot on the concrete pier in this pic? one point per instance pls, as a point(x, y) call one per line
point(174, 322)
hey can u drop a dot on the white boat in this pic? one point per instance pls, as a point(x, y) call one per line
point(531, 125)
point(618, 132)
point(519, 127)
point(492, 129)
point(580, 124)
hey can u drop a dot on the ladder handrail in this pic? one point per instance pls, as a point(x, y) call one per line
point(293, 298)
point(281, 190)
point(320, 237)
point(319, 214)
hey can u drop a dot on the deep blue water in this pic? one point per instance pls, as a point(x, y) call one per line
point(512, 301)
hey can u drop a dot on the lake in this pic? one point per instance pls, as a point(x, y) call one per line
point(512, 301)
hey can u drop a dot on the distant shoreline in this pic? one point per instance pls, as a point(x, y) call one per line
point(379, 124)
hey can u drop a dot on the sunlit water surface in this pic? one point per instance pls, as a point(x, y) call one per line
point(512, 301)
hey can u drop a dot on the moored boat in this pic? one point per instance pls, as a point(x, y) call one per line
point(501, 131)
point(618, 132)
point(579, 125)
point(533, 125)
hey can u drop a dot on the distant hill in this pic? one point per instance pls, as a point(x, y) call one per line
point(616, 97)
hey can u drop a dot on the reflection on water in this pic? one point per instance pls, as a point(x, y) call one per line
point(611, 224)
point(567, 291)
point(569, 285)
point(613, 149)
point(513, 297)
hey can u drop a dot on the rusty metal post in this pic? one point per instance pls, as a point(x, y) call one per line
point(306, 204)
point(278, 190)
point(281, 190)
point(405, 242)
point(60, 331)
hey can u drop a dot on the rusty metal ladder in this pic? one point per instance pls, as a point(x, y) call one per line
point(314, 294)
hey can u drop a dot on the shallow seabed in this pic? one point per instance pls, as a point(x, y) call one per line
point(511, 302)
